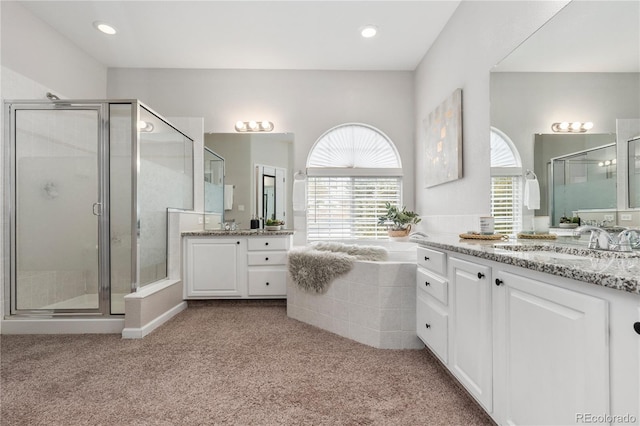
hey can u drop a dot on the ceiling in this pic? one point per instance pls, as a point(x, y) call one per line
point(266, 34)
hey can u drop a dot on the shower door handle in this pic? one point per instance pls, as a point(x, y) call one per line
point(97, 209)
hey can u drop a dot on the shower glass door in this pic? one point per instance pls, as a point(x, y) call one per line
point(59, 209)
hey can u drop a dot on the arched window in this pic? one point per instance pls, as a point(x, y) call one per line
point(506, 184)
point(353, 170)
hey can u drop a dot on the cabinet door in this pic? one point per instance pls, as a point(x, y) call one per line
point(471, 336)
point(431, 324)
point(555, 350)
point(212, 267)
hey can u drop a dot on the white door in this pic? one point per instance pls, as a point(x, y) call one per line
point(555, 353)
point(471, 337)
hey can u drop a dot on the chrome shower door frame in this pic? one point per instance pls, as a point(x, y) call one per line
point(10, 199)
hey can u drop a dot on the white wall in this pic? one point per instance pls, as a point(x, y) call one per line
point(35, 51)
point(478, 36)
point(305, 103)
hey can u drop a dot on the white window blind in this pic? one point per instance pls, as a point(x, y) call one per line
point(506, 203)
point(348, 207)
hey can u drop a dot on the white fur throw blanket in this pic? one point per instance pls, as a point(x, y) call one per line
point(313, 268)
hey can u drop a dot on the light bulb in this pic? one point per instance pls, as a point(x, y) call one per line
point(576, 125)
point(368, 31)
point(601, 164)
point(564, 125)
point(607, 163)
point(614, 161)
point(253, 125)
point(266, 125)
point(587, 126)
point(104, 28)
point(240, 126)
point(145, 126)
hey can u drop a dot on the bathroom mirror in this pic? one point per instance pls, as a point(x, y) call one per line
point(583, 180)
point(213, 189)
point(634, 172)
point(249, 156)
point(268, 196)
point(582, 65)
point(554, 145)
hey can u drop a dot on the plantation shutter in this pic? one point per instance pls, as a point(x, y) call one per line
point(506, 184)
point(348, 207)
point(506, 203)
point(353, 170)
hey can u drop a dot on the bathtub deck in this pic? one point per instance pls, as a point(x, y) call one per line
point(374, 304)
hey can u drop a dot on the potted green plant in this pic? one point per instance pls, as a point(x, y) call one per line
point(273, 224)
point(398, 220)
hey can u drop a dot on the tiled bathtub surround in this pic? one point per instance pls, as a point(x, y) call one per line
point(373, 304)
point(616, 270)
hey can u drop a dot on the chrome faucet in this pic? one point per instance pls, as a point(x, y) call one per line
point(629, 239)
point(599, 238)
point(418, 234)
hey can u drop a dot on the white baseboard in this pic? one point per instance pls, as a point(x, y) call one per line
point(139, 333)
point(62, 326)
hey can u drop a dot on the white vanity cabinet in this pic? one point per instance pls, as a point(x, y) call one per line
point(471, 328)
point(432, 312)
point(232, 267)
point(267, 266)
point(553, 346)
point(214, 267)
point(532, 347)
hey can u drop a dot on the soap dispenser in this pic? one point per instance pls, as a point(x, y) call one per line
point(255, 223)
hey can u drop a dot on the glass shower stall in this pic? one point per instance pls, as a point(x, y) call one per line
point(87, 188)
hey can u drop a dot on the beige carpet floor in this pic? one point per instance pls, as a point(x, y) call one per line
point(225, 363)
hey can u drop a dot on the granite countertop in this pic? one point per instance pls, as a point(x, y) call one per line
point(236, 233)
point(561, 257)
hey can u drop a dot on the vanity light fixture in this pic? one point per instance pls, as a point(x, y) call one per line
point(254, 126)
point(574, 127)
point(105, 28)
point(607, 163)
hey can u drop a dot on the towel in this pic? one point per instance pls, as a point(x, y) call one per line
point(299, 195)
point(531, 194)
point(228, 197)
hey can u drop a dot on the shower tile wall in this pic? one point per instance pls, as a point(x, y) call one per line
point(40, 289)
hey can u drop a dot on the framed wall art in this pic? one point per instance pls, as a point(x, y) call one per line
point(443, 141)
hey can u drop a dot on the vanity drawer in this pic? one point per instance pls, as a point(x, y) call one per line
point(433, 260)
point(268, 243)
point(431, 326)
point(267, 258)
point(432, 284)
point(272, 282)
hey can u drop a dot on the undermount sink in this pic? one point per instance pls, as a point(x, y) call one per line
point(565, 253)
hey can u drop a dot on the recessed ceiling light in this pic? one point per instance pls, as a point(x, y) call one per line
point(369, 31)
point(104, 27)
